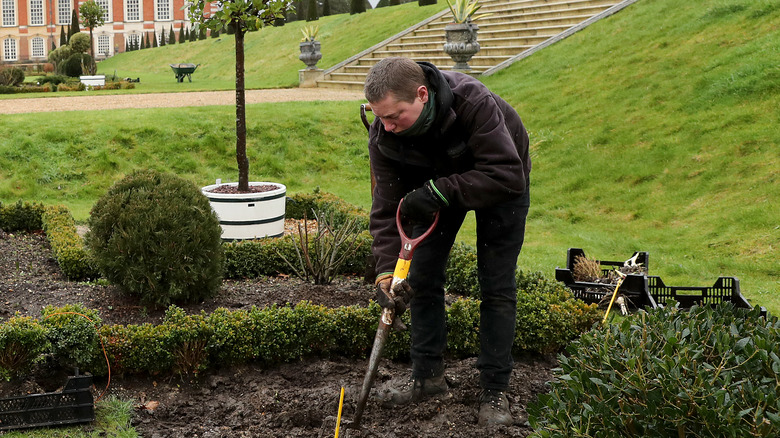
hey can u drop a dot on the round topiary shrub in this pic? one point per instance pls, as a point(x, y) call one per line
point(79, 42)
point(156, 236)
point(77, 64)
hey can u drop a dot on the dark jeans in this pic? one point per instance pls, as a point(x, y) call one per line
point(500, 233)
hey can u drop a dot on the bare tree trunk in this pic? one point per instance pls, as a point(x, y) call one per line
point(91, 45)
point(243, 161)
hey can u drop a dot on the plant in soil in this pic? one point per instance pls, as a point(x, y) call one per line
point(321, 256)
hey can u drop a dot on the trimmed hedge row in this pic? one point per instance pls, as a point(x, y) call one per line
point(66, 245)
point(190, 344)
point(21, 216)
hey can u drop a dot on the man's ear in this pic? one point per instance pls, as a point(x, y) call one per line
point(422, 93)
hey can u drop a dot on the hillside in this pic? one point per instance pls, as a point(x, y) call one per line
point(657, 130)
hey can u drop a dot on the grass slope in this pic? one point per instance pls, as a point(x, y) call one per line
point(657, 130)
point(653, 130)
point(271, 54)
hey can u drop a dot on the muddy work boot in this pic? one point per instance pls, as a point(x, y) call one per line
point(494, 408)
point(414, 390)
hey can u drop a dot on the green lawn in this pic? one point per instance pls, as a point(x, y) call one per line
point(652, 130)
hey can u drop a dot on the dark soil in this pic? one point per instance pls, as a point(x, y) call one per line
point(298, 399)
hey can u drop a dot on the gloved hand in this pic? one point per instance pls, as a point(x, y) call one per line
point(403, 294)
point(420, 205)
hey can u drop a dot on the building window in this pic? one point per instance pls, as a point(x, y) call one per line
point(163, 9)
point(9, 13)
point(63, 11)
point(38, 47)
point(133, 12)
point(106, 6)
point(9, 49)
point(104, 45)
point(36, 12)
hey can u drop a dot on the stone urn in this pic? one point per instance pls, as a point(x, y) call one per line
point(310, 54)
point(461, 43)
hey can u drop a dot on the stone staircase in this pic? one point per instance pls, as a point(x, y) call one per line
point(514, 27)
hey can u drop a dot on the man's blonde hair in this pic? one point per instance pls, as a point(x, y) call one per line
point(401, 76)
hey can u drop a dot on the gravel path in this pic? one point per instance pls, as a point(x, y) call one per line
point(168, 100)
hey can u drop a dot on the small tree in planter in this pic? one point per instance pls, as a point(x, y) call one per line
point(246, 216)
point(91, 17)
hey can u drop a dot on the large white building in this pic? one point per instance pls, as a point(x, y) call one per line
point(29, 27)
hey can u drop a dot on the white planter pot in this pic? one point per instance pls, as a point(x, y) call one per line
point(93, 81)
point(249, 215)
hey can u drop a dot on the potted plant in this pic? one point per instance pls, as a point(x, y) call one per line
point(310, 47)
point(243, 207)
point(461, 34)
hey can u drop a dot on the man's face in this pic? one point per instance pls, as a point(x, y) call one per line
point(397, 115)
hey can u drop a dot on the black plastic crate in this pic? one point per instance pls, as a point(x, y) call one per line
point(634, 286)
point(74, 404)
point(639, 257)
point(725, 289)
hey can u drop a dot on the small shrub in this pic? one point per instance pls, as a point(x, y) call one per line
point(707, 372)
point(72, 331)
point(77, 64)
point(76, 86)
point(21, 216)
point(188, 336)
point(23, 341)
point(461, 271)
point(155, 236)
point(54, 80)
point(321, 256)
point(549, 317)
point(11, 76)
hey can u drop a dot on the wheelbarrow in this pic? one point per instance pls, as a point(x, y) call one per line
point(182, 70)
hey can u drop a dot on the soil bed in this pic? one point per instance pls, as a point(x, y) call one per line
point(291, 400)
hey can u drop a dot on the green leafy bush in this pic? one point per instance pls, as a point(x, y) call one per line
point(707, 372)
point(461, 271)
point(155, 236)
point(549, 317)
point(11, 76)
point(305, 204)
point(72, 331)
point(66, 245)
point(23, 341)
point(21, 216)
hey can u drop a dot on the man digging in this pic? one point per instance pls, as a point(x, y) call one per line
point(444, 143)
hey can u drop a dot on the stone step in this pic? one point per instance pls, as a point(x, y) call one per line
point(489, 51)
point(513, 27)
point(485, 42)
point(561, 22)
point(500, 9)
